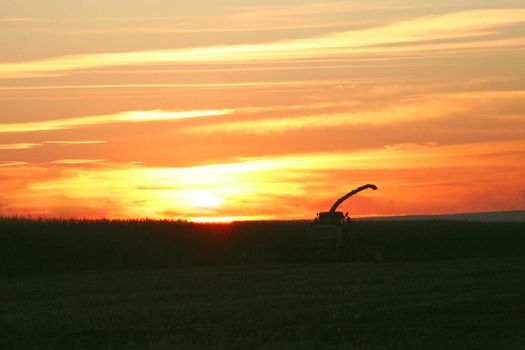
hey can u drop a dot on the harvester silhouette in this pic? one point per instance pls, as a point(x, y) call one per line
point(329, 234)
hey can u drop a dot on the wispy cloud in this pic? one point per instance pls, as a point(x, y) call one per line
point(287, 11)
point(159, 86)
point(11, 164)
point(148, 116)
point(281, 118)
point(416, 108)
point(22, 146)
point(82, 142)
point(243, 19)
point(17, 146)
point(125, 117)
point(254, 27)
point(280, 125)
point(443, 31)
point(20, 19)
point(76, 161)
point(260, 18)
point(302, 65)
point(428, 155)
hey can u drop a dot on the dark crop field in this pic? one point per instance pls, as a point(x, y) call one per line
point(174, 285)
point(38, 246)
point(457, 304)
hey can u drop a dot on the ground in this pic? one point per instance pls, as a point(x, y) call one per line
point(453, 304)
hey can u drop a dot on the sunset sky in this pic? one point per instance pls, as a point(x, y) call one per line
point(215, 110)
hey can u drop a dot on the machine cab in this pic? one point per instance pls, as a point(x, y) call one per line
point(331, 218)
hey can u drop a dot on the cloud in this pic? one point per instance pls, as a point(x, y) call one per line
point(189, 85)
point(124, 117)
point(291, 186)
point(20, 19)
point(320, 121)
point(422, 34)
point(287, 11)
point(283, 118)
point(415, 108)
point(205, 28)
point(242, 19)
point(76, 161)
point(18, 146)
point(23, 146)
point(82, 142)
point(143, 116)
point(427, 155)
point(12, 164)
point(227, 19)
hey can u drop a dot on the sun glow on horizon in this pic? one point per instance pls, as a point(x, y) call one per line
point(229, 219)
point(281, 187)
point(203, 199)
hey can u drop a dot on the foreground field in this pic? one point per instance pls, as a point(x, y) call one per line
point(454, 304)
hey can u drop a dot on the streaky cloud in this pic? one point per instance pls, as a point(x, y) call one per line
point(19, 19)
point(27, 145)
point(430, 106)
point(187, 85)
point(12, 163)
point(80, 142)
point(403, 36)
point(76, 161)
point(124, 117)
point(18, 146)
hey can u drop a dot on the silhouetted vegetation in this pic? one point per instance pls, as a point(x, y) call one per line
point(29, 246)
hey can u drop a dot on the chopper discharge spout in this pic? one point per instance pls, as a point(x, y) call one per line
point(350, 194)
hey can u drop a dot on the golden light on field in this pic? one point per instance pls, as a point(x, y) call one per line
point(266, 110)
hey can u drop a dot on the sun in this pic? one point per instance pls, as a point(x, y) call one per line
point(203, 199)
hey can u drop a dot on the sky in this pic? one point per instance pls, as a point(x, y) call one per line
point(214, 110)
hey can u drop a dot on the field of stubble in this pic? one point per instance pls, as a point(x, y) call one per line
point(453, 304)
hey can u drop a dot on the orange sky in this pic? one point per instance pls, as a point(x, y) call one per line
point(217, 110)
